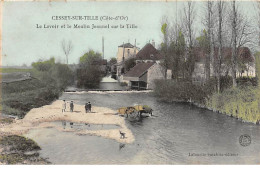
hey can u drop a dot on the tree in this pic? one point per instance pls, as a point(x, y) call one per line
point(164, 45)
point(89, 74)
point(44, 65)
point(89, 58)
point(258, 21)
point(242, 35)
point(179, 63)
point(67, 48)
point(55, 74)
point(112, 61)
point(220, 8)
point(209, 23)
point(62, 74)
point(129, 63)
point(188, 25)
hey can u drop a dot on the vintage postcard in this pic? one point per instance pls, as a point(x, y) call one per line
point(130, 82)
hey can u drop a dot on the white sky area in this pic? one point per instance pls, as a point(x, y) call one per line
point(23, 43)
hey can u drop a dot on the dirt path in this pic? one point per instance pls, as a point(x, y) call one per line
point(43, 116)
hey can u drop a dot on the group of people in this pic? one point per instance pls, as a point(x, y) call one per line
point(64, 106)
point(88, 107)
point(71, 104)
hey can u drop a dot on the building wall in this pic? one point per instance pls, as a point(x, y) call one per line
point(155, 72)
point(169, 74)
point(250, 72)
point(199, 72)
point(127, 55)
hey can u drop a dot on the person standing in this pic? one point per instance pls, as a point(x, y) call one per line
point(89, 107)
point(63, 106)
point(71, 106)
point(86, 107)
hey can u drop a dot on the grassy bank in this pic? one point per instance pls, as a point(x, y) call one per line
point(44, 87)
point(47, 82)
point(19, 150)
point(13, 70)
point(20, 97)
point(242, 102)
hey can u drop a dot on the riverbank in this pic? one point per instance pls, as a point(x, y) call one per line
point(19, 97)
point(16, 149)
point(43, 116)
point(109, 91)
point(21, 91)
point(241, 103)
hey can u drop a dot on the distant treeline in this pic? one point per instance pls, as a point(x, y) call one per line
point(49, 79)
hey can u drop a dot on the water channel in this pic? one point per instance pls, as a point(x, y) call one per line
point(178, 133)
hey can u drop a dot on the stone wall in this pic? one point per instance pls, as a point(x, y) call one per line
point(155, 72)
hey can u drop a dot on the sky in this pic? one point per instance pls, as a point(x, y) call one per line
point(24, 43)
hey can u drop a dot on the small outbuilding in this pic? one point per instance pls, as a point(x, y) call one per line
point(143, 75)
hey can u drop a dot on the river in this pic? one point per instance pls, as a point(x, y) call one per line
point(178, 133)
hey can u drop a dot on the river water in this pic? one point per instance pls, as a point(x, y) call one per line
point(178, 133)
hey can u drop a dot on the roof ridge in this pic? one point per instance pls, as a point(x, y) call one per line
point(139, 69)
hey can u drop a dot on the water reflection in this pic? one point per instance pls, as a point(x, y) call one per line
point(63, 124)
point(87, 126)
point(121, 146)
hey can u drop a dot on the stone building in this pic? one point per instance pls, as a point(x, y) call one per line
point(124, 52)
point(143, 75)
point(147, 69)
point(245, 67)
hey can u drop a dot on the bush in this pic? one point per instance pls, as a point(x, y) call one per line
point(62, 74)
point(247, 81)
point(170, 90)
point(44, 65)
point(89, 77)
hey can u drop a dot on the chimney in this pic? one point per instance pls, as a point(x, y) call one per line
point(153, 43)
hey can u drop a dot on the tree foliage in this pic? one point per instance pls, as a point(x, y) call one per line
point(112, 61)
point(163, 29)
point(129, 63)
point(53, 74)
point(44, 65)
point(203, 40)
point(89, 57)
point(89, 74)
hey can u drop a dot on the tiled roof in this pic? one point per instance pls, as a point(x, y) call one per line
point(127, 45)
point(139, 69)
point(148, 52)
